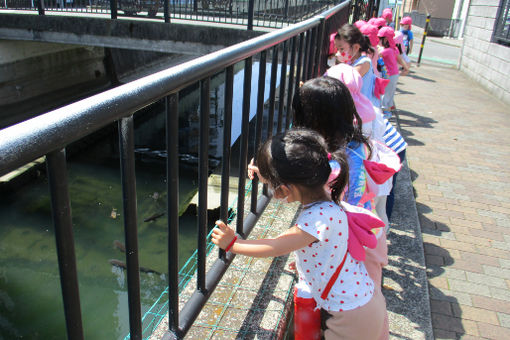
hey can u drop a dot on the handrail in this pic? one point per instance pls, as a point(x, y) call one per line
point(28, 140)
point(50, 133)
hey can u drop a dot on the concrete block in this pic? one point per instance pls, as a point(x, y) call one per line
point(500, 51)
point(484, 2)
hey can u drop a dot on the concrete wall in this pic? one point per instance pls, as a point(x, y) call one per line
point(486, 62)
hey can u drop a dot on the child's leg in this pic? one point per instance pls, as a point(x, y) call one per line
point(380, 208)
point(364, 322)
point(307, 321)
point(389, 92)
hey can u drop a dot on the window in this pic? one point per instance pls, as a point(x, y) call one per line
point(502, 25)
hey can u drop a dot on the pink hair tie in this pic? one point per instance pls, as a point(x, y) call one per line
point(329, 156)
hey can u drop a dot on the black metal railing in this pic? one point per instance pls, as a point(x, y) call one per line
point(259, 13)
point(502, 24)
point(301, 48)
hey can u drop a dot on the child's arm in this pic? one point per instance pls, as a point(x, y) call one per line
point(290, 240)
point(410, 46)
point(402, 63)
point(362, 68)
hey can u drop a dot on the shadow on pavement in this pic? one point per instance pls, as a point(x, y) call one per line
point(407, 118)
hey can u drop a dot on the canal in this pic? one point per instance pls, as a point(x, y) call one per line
point(30, 294)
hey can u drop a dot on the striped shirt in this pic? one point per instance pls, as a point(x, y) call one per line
point(393, 139)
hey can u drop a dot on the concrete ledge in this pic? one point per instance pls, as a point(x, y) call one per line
point(407, 298)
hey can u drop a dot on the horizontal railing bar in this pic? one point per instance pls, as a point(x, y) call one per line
point(29, 140)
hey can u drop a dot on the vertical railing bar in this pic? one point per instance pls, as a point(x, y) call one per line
point(258, 127)
point(311, 54)
point(244, 144)
point(227, 131)
point(272, 92)
point(283, 79)
point(172, 182)
point(61, 211)
point(307, 55)
point(203, 174)
point(127, 162)
point(299, 65)
point(290, 90)
point(318, 48)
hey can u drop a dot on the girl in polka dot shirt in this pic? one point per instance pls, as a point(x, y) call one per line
point(332, 285)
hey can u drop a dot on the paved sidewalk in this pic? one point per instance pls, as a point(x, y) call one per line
point(459, 156)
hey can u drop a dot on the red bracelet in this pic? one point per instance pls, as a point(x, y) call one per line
point(231, 244)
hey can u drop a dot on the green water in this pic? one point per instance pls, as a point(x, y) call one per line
point(30, 294)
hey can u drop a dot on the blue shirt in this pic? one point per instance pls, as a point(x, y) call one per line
point(368, 81)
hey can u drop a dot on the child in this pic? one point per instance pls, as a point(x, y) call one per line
point(391, 57)
point(399, 42)
point(351, 41)
point(296, 167)
point(380, 23)
point(326, 106)
point(405, 28)
point(387, 15)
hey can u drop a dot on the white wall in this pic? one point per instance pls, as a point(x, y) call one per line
point(486, 62)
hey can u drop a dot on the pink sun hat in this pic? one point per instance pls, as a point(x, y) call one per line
point(387, 14)
point(380, 22)
point(360, 23)
point(353, 80)
point(388, 33)
point(371, 32)
point(406, 21)
point(371, 21)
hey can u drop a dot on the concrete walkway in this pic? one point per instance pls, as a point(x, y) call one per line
point(459, 156)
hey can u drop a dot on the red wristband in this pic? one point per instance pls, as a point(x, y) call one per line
point(231, 244)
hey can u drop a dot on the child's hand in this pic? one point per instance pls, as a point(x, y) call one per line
point(223, 235)
point(404, 72)
point(254, 170)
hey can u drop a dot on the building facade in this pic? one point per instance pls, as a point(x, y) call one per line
point(485, 55)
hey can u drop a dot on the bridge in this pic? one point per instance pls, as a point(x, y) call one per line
point(295, 53)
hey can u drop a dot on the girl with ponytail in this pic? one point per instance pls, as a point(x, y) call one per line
point(333, 287)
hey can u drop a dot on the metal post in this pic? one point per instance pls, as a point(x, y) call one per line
point(166, 9)
point(251, 5)
point(113, 9)
point(127, 173)
point(172, 182)
point(203, 174)
point(423, 39)
point(61, 210)
point(40, 7)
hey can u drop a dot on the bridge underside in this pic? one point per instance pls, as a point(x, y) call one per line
point(125, 34)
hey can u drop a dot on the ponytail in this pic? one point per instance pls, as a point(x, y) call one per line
point(339, 184)
point(352, 35)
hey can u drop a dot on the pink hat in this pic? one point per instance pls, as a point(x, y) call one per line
point(380, 22)
point(399, 37)
point(360, 23)
point(332, 47)
point(371, 32)
point(387, 14)
point(388, 33)
point(353, 80)
point(371, 21)
point(406, 21)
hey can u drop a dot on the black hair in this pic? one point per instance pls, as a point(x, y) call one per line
point(300, 157)
point(399, 48)
point(325, 105)
point(353, 35)
point(384, 42)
